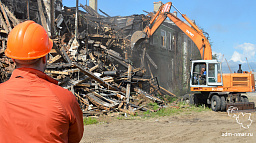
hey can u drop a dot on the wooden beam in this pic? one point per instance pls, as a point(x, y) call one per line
point(12, 17)
point(128, 86)
point(28, 17)
point(151, 61)
point(3, 24)
point(126, 111)
point(94, 68)
point(52, 16)
point(57, 72)
point(99, 80)
point(168, 92)
point(82, 100)
point(42, 17)
point(5, 16)
point(54, 59)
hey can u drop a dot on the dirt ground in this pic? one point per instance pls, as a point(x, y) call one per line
point(194, 127)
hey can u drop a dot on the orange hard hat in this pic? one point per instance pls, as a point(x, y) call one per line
point(27, 41)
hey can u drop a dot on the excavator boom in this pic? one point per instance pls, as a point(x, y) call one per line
point(193, 32)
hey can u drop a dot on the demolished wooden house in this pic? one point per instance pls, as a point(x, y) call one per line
point(92, 56)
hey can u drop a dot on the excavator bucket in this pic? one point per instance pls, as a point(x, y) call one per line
point(137, 38)
point(243, 106)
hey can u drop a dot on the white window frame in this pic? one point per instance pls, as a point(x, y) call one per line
point(164, 42)
point(170, 43)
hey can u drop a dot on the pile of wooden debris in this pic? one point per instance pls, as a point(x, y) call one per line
point(94, 63)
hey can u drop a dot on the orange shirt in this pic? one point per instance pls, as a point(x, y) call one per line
point(33, 108)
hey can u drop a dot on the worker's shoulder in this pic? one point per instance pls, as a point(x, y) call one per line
point(57, 88)
point(61, 93)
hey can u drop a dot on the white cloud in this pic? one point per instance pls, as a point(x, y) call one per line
point(248, 51)
point(237, 57)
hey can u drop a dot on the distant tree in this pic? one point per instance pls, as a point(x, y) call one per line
point(214, 57)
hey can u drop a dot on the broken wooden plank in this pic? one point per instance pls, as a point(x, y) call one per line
point(42, 17)
point(65, 72)
point(94, 68)
point(108, 79)
point(6, 17)
point(127, 111)
point(3, 24)
point(90, 10)
point(107, 102)
point(54, 59)
point(151, 61)
point(96, 101)
point(92, 57)
point(104, 13)
point(167, 92)
point(70, 71)
point(52, 17)
point(138, 90)
point(14, 20)
point(62, 52)
point(142, 108)
point(91, 75)
point(134, 71)
point(84, 84)
point(128, 86)
point(135, 79)
point(81, 99)
point(28, 8)
point(56, 72)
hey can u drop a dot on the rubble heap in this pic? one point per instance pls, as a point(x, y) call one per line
point(94, 64)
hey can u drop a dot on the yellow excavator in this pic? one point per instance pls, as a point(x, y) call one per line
point(208, 83)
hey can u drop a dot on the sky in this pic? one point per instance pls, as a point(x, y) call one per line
point(231, 24)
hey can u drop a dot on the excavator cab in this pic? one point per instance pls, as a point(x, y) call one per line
point(205, 73)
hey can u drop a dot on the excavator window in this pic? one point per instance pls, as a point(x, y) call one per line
point(214, 73)
point(199, 74)
point(206, 73)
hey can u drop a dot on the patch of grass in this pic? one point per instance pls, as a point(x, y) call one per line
point(172, 99)
point(89, 121)
point(183, 108)
point(167, 98)
point(199, 108)
point(181, 104)
point(154, 106)
point(120, 117)
point(163, 112)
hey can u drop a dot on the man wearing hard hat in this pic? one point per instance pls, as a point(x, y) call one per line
point(33, 108)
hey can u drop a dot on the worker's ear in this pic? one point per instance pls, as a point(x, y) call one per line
point(45, 59)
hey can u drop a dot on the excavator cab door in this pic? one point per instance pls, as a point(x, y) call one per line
point(214, 76)
point(205, 73)
point(214, 73)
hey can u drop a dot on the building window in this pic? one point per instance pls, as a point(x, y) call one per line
point(172, 70)
point(174, 42)
point(170, 41)
point(163, 38)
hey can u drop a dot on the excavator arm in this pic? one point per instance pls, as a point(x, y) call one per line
point(193, 32)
